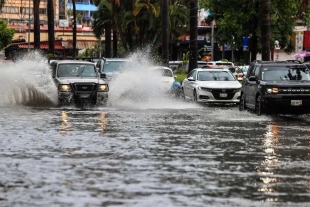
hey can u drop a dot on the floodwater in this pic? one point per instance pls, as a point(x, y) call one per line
point(159, 153)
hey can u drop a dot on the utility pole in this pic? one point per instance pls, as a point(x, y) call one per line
point(265, 29)
point(165, 31)
point(193, 24)
point(212, 41)
point(74, 29)
point(29, 27)
point(36, 24)
point(50, 26)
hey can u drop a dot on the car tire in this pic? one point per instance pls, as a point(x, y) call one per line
point(195, 97)
point(258, 106)
point(242, 106)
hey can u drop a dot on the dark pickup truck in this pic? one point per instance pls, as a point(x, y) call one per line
point(78, 81)
point(276, 87)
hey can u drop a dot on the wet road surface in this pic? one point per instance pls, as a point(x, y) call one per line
point(180, 155)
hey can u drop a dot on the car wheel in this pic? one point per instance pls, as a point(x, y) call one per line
point(258, 106)
point(242, 106)
point(195, 96)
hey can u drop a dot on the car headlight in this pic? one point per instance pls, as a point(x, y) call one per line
point(64, 88)
point(103, 88)
point(272, 90)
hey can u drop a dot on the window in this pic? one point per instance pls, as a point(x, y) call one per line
point(42, 11)
point(256, 73)
point(25, 10)
point(10, 10)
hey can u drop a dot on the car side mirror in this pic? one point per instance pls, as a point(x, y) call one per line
point(252, 78)
point(191, 79)
point(103, 75)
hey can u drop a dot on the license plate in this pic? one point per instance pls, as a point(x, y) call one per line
point(296, 102)
point(223, 95)
point(84, 95)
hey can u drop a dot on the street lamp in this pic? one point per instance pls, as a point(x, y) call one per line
point(212, 41)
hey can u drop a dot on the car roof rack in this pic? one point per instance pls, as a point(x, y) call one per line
point(77, 58)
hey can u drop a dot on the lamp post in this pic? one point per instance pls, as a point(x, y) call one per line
point(29, 27)
point(212, 41)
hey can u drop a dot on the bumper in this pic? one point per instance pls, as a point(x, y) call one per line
point(208, 97)
point(286, 103)
point(71, 97)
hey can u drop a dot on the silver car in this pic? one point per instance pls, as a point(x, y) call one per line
point(211, 86)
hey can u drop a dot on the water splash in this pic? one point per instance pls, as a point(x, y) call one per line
point(138, 87)
point(27, 82)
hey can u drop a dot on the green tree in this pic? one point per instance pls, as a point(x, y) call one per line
point(138, 22)
point(6, 34)
point(247, 21)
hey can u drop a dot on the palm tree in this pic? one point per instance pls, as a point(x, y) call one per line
point(36, 24)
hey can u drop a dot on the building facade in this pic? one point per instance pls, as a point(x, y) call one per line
point(19, 13)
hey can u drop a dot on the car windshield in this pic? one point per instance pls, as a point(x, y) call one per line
point(284, 73)
point(71, 70)
point(115, 66)
point(164, 72)
point(215, 76)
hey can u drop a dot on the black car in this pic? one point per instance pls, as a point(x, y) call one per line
point(78, 82)
point(276, 87)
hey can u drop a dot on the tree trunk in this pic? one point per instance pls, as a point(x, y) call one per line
point(50, 24)
point(74, 30)
point(193, 23)
point(165, 31)
point(36, 24)
point(107, 47)
point(265, 29)
point(114, 43)
point(254, 38)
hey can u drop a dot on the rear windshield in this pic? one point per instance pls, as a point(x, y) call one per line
point(215, 76)
point(284, 73)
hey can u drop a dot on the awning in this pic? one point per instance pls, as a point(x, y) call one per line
point(83, 6)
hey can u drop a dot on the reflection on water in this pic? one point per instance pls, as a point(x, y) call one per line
point(270, 163)
point(66, 125)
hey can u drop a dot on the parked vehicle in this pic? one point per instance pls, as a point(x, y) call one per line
point(276, 87)
point(78, 82)
point(241, 71)
point(211, 86)
point(166, 77)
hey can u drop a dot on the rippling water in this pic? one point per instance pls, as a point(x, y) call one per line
point(156, 153)
point(191, 156)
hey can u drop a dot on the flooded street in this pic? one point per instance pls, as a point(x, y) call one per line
point(186, 156)
point(157, 153)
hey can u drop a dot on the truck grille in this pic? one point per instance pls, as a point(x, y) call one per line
point(84, 87)
point(294, 91)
